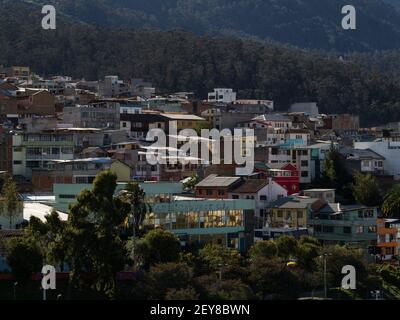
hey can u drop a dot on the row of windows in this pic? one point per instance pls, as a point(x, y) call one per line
point(345, 230)
point(195, 220)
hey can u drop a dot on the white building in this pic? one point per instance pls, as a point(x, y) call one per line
point(389, 149)
point(263, 191)
point(223, 95)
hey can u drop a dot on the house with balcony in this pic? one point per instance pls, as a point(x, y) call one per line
point(387, 241)
point(38, 150)
point(338, 224)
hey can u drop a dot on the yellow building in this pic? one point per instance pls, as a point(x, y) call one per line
point(122, 170)
point(293, 211)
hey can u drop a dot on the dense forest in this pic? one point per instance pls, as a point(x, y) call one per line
point(178, 60)
point(312, 24)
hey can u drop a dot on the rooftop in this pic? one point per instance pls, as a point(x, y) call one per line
point(293, 202)
point(251, 186)
point(215, 181)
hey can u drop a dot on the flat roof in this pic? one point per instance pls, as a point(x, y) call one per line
point(214, 180)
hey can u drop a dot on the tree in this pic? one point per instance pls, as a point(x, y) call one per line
point(134, 197)
point(263, 249)
point(221, 260)
point(50, 235)
point(182, 294)
point(161, 278)
point(92, 236)
point(271, 278)
point(158, 246)
point(287, 247)
point(366, 190)
point(191, 183)
point(12, 200)
point(391, 204)
point(211, 287)
point(335, 169)
point(308, 250)
point(24, 258)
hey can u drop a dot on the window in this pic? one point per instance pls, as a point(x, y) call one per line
point(304, 163)
point(372, 229)
point(304, 174)
point(280, 214)
point(317, 228)
point(16, 162)
point(67, 196)
point(360, 230)
point(221, 192)
point(209, 192)
point(346, 229)
point(300, 214)
point(327, 229)
point(235, 196)
point(123, 124)
point(263, 198)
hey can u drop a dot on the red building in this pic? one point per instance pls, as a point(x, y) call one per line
point(285, 174)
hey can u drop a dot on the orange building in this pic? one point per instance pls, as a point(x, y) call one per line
point(387, 239)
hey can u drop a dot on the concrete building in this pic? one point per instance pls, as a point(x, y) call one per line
point(38, 150)
point(389, 149)
point(223, 95)
point(99, 115)
point(327, 195)
point(338, 224)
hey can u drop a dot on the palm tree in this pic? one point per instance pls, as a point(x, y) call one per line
point(134, 196)
point(391, 204)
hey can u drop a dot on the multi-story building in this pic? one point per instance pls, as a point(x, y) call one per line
point(296, 154)
point(263, 192)
point(336, 223)
point(223, 95)
point(363, 160)
point(112, 86)
point(285, 174)
point(38, 150)
point(327, 195)
point(293, 211)
point(387, 241)
point(193, 220)
point(99, 115)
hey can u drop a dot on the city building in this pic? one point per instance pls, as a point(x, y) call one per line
point(293, 211)
point(338, 224)
point(389, 149)
point(99, 115)
point(327, 195)
point(222, 95)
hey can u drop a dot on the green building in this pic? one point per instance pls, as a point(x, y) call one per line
point(193, 220)
point(335, 223)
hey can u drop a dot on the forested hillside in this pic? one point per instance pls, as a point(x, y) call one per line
point(312, 24)
point(178, 60)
